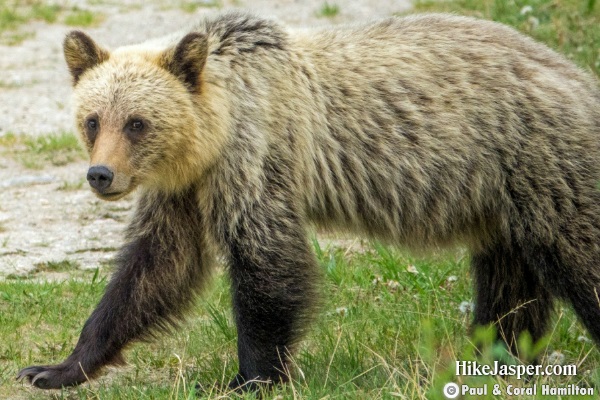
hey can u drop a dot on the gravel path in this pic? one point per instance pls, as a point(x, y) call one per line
point(44, 216)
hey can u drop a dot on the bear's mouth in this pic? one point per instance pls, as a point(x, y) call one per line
point(114, 196)
point(111, 196)
point(117, 194)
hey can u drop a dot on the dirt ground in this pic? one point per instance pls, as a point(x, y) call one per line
point(49, 215)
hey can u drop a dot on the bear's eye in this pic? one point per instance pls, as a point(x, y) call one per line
point(136, 129)
point(137, 125)
point(92, 124)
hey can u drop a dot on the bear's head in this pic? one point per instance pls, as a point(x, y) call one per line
point(143, 113)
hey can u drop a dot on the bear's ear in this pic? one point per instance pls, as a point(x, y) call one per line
point(82, 53)
point(186, 60)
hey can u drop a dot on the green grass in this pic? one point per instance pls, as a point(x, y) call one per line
point(9, 18)
point(45, 12)
point(8, 140)
point(15, 38)
point(82, 18)
point(389, 327)
point(192, 6)
point(69, 186)
point(56, 266)
point(15, 14)
point(328, 10)
point(572, 27)
point(35, 152)
point(52, 143)
point(46, 268)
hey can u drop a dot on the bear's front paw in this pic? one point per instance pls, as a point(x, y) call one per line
point(52, 376)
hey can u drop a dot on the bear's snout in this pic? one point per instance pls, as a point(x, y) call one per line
point(100, 177)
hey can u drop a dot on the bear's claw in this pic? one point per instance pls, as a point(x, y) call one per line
point(49, 377)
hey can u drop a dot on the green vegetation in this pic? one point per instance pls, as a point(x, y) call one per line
point(35, 152)
point(15, 85)
point(9, 18)
point(45, 12)
point(68, 186)
point(572, 27)
point(48, 267)
point(390, 327)
point(192, 6)
point(14, 14)
point(328, 10)
point(52, 143)
point(84, 18)
point(15, 38)
point(56, 266)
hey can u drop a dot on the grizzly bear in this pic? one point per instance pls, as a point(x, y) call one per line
point(422, 131)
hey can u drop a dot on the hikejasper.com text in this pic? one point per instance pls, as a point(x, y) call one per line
point(473, 368)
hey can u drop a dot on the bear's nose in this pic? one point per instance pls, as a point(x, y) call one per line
point(99, 177)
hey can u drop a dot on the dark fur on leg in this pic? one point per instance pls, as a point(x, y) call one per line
point(572, 266)
point(510, 295)
point(273, 293)
point(158, 274)
point(273, 275)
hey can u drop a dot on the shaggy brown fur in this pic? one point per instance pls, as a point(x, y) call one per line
point(422, 131)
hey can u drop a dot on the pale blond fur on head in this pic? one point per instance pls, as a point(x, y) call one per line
point(135, 81)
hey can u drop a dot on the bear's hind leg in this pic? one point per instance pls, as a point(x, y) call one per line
point(572, 268)
point(510, 295)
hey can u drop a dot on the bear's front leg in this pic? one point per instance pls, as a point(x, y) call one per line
point(273, 273)
point(158, 273)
